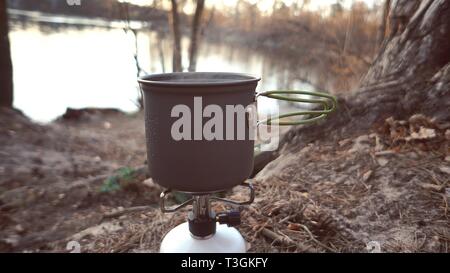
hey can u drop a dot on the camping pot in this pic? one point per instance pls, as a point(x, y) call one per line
point(195, 164)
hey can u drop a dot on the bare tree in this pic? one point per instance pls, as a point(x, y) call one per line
point(196, 24)
point(6, 73)
point(175, 23)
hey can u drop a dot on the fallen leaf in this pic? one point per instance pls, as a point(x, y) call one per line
point(149, 183)
point(18, 228)
point(366, 176)
point(382, 161)
point(423, 133)
point(379, 146)
point(445, 169)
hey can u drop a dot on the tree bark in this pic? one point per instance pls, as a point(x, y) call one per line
point(416, 52)
point(175, 23)
point(196, 22)
point(6, 72)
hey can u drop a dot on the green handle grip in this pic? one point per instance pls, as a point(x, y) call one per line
point(327, 101)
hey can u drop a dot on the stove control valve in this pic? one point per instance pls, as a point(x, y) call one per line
point(231, 218)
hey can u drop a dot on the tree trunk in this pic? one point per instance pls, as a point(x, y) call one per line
point(161, 51)
point(383, 24)
point(196, 22)
point(6, 73)
point(411, 69)
point(175, 23)
point(411, 74)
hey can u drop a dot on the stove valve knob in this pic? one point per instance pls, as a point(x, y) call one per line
point(231, 218)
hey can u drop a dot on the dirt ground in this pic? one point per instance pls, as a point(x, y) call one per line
point(75, 179)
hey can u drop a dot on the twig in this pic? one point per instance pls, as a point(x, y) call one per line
point(315, 240)
point(127, 210)
point(287, 218)
point(285, 240)
point(386, 152)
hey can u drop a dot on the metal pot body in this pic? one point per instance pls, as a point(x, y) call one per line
point(189, 165)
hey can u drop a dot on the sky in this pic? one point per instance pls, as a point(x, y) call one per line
point(265, 5)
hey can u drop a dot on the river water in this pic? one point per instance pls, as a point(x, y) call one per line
point(92, 65)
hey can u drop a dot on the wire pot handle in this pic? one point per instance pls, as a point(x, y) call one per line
point(328, 105)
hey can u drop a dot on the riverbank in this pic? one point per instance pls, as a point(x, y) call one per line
point(83, 178)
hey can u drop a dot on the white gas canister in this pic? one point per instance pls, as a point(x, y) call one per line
point(225, 240)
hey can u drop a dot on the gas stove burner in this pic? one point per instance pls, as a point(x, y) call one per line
point(205, 231)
